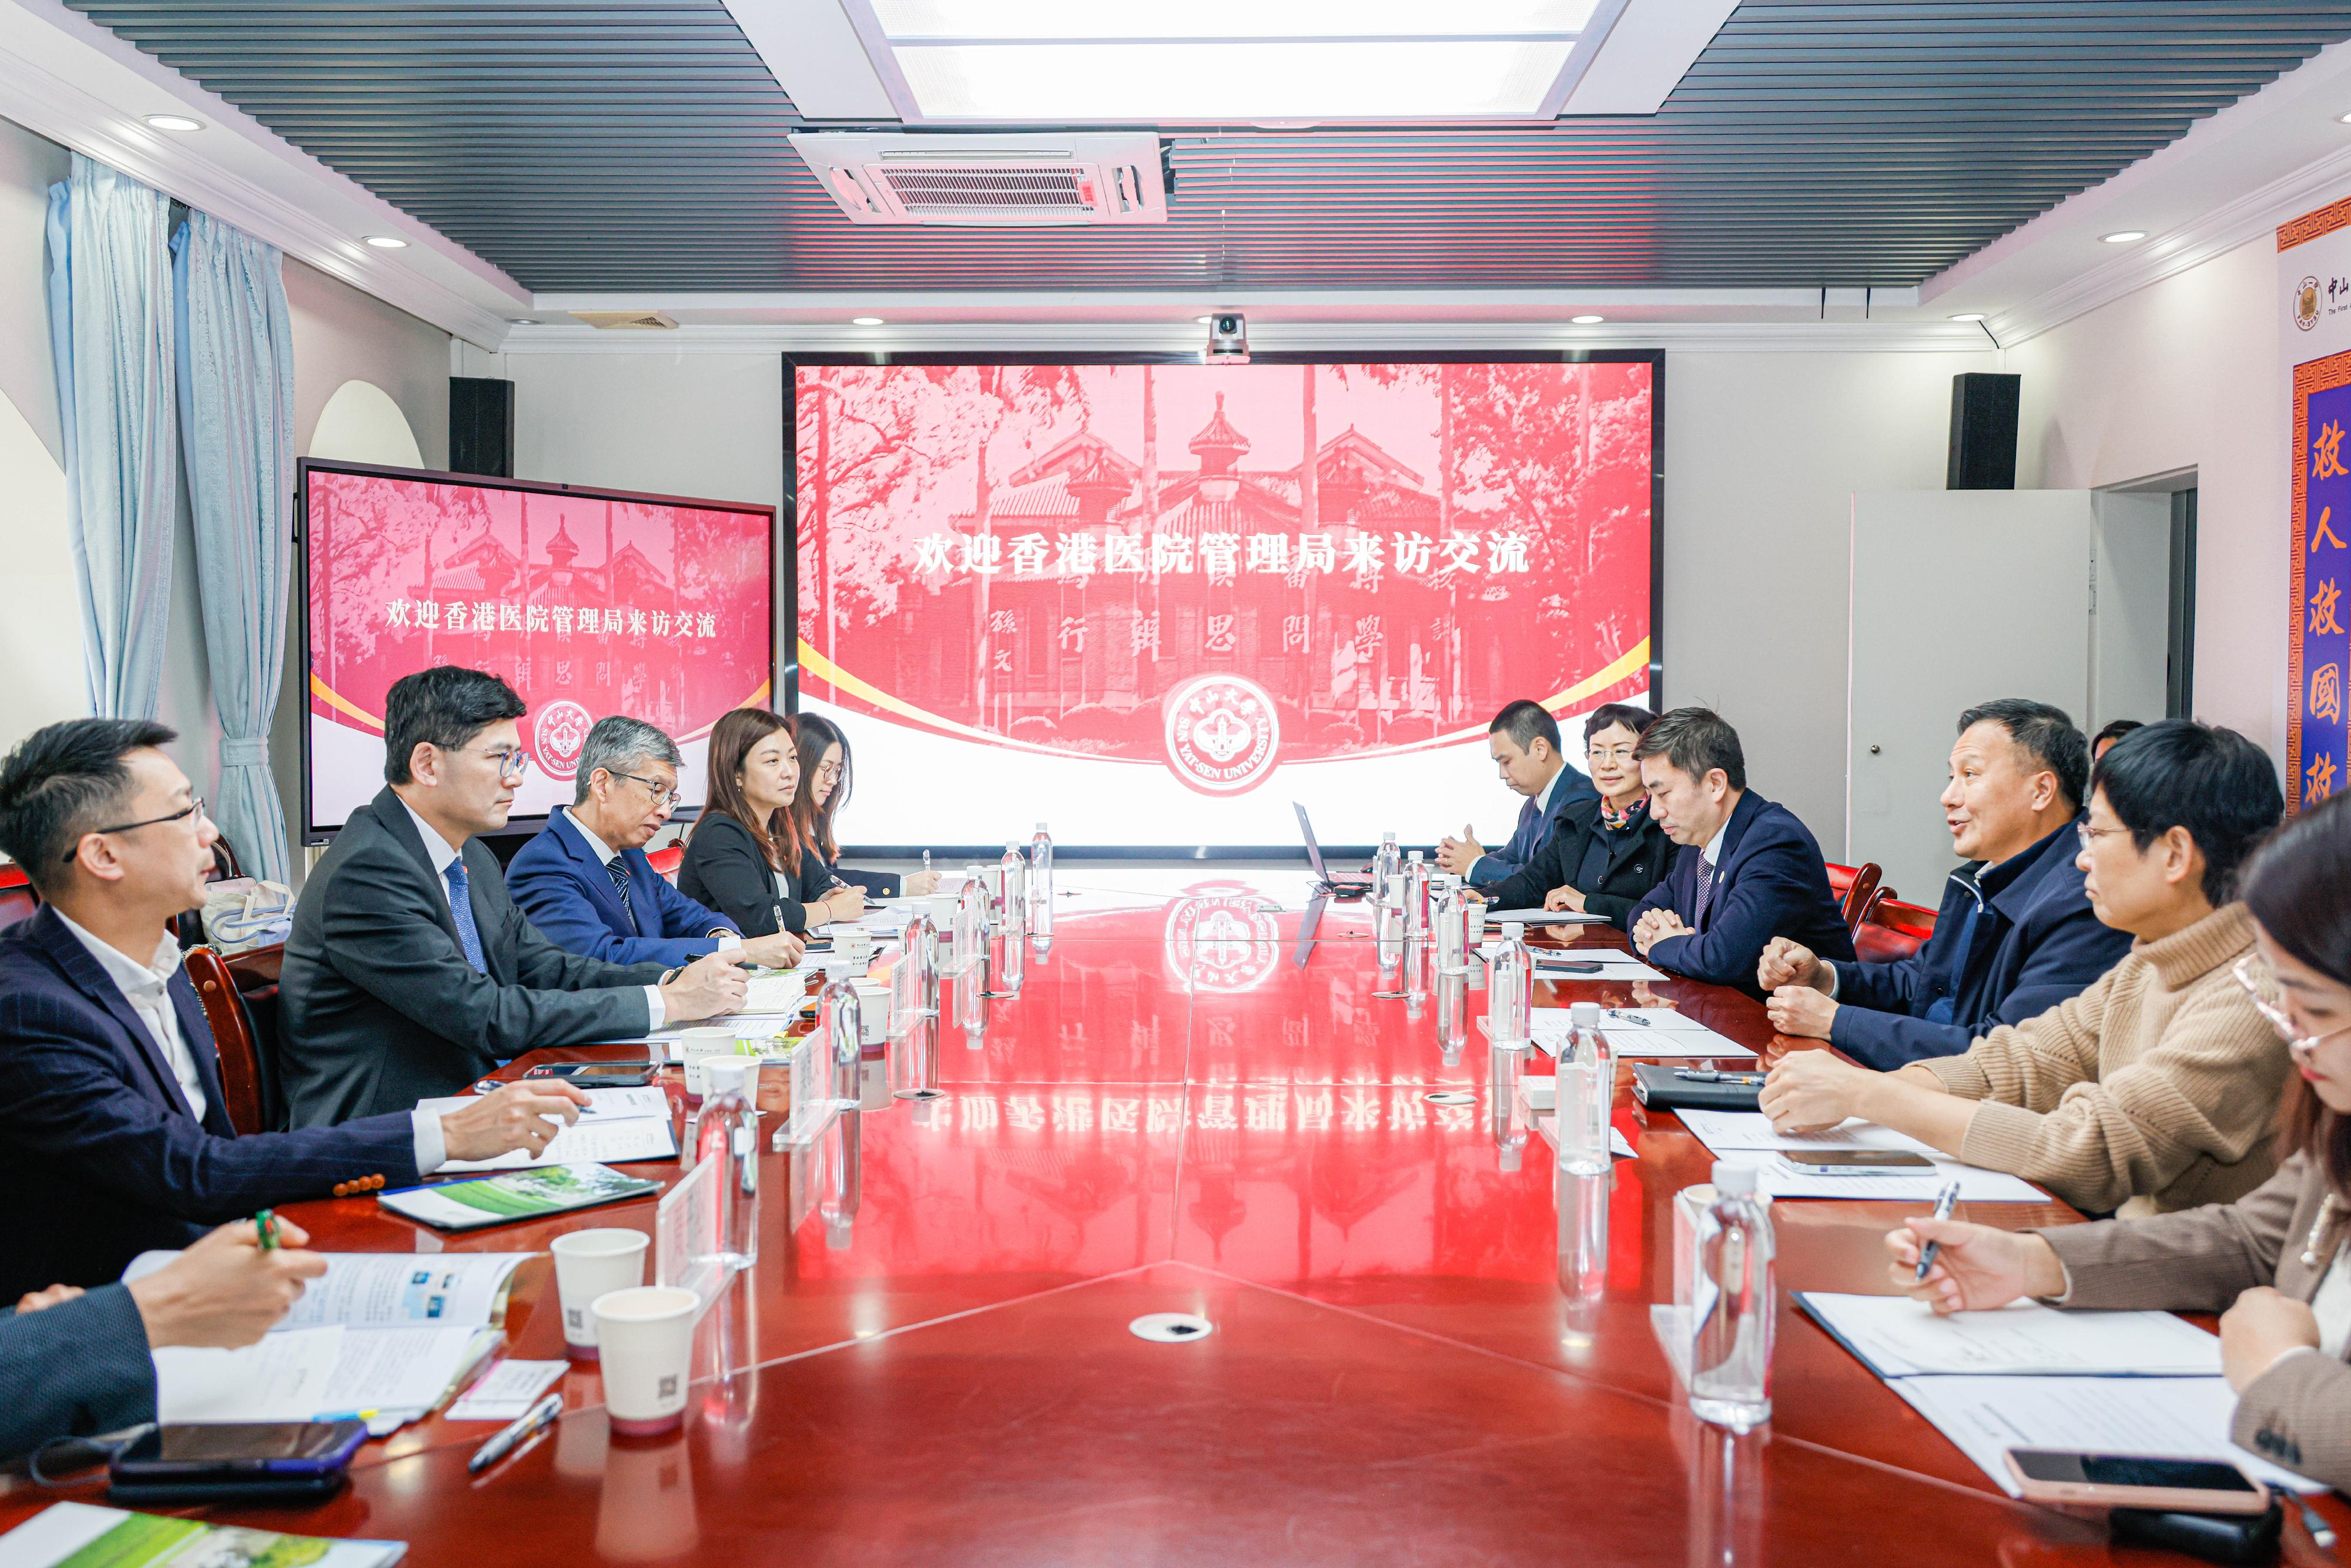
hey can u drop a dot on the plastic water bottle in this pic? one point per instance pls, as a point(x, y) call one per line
point(1452, 921)
point(845, 1040)
point(1386, 867)
point(1733, 1303)
point(917, 974)
point(1587, 1092)
point(1040, 882)
point(1415, 897)
point(1015, 871)
point(1510, 999)
point(728, 1131)
point(970, 924)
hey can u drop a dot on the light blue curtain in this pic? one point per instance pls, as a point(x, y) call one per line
point(236, 350)
point(111, 332)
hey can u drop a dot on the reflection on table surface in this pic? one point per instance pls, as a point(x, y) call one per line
point(1428, 1344)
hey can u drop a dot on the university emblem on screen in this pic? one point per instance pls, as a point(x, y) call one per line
point(1223, 735)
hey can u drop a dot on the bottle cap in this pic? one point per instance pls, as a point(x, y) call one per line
point(1739, 1180)
point(1041, 827)
point(1412, 856)
point(724, 1074)
point(1513, 930)
point(1583, 1015)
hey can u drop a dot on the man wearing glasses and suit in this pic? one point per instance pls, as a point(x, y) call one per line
point(585, 881)
point(410, 972)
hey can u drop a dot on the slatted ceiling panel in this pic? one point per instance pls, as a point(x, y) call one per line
point(640, 144)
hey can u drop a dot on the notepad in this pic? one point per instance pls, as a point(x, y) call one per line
point(69, 1534)
point(1723, 1130)
point(616, 1126)
point(1895, 1336)
point(1549, 1028)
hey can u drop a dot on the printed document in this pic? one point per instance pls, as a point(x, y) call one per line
point(1898, 1337)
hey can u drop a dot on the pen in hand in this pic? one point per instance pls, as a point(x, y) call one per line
point(266, 1224)
point(1943, 1202)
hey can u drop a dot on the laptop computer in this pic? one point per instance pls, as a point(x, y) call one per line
point(1343, 884)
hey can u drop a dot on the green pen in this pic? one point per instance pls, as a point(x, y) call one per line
point(267, 1223)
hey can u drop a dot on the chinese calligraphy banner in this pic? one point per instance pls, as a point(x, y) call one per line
point(588, 604)
point(1156, 604)
point(2314, 270)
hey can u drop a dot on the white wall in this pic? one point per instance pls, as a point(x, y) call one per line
point(2185, 373)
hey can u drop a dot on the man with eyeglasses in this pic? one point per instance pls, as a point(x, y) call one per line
point(584, 880)
point(114, 1133)
point(410, 972)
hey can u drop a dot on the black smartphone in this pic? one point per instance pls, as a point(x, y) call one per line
point(596, 1074)
point(178, 1454)
point(1856, 1162)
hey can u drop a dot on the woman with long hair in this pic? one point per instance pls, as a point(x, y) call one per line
point(2274, 1263)
point(827, 775)
point(743, 857)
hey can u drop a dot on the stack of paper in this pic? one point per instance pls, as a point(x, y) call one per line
point(1747, 1135)
point(1898, 1337)
point(781, 993)
point(617, 1124)
point(381, 1336)
point(77, 1535)
point(1645, 1033)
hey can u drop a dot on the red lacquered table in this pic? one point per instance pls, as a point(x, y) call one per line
point(1189, 1107)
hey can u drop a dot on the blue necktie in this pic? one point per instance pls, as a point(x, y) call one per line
point(461, 905)
point(619, 876)
point(1704, 894)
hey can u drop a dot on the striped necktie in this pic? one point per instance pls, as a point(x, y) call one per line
point(619, 876)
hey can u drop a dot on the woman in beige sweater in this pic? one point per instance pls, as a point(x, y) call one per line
point(2161, 1082)
point(2274, 1263)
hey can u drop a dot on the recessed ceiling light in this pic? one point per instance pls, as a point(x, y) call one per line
point(1587, 321)
point(865, 321)
point(1969, 316)
point(2123, 236)
point(1202, 320)
point(180, 122)
point(522, 320)
point(2345, 119)
point(384, 242)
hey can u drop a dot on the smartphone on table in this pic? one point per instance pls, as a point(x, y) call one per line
point(1856, 1162)
point(184, 1455)
point(2135, 1480)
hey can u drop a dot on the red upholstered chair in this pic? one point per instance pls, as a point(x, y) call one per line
point(18, 899)
point(240, 1054)
point(667, 861)
point(1893, 930)
point(1855, 887)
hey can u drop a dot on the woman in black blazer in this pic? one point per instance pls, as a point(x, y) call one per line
point(1605, 855)
point(743, 859)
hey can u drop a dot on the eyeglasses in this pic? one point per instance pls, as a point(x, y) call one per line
point(195, 808)
point(2090, 835)
point(662, 797)
point(511, 763)
point(829, 771)
point(2261, 987)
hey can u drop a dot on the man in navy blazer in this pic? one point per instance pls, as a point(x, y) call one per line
point(114, 1136)
point(2015, 934)
point(1748, 870)
point(1523, 741)
point(584, 880)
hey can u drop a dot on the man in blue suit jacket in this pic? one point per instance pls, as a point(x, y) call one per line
point(114, 1136)
point(2016, 934)
point(584, 880)
point(1523, 741)
point(1748, 871)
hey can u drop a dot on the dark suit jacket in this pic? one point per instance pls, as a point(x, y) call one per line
point(1771, 882)
point(99, 1158)
point(1637, 862)
point(73, 1370)
point(2035, 943)
point(379, 1008)
point(1571, 790)
point(568, 895)
point(724, 869)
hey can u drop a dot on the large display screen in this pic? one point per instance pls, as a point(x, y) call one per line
point(1154, 604)
point(586, 602)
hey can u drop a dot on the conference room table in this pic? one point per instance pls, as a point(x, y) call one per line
point(1425, 1345)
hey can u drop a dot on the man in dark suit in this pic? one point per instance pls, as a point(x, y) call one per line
point(584, 881)
point(410, 972)
point(1523, 741)
point(74, 1364)
point(113, 1135)
point(1748, 870)
point(2015, 936)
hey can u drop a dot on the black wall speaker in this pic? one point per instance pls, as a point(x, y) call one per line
point(1983, 432)
point(481, 426)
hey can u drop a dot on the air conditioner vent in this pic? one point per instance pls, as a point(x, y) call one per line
point(977, 181)
point(626, 321)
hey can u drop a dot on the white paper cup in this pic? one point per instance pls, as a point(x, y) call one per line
point(1476, 923)
point(698, 1044)
point(874, 1004)
point(589, 1264)
point(647, 1335)
point(942, 905)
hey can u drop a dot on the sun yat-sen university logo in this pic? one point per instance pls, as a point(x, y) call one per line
point(559, 736)
point(1223, 937)
point(1223, 734)
point(2305, 304)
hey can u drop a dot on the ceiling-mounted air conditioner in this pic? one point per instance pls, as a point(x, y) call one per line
point(971, 181)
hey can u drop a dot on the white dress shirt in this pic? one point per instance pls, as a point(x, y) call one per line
point(1542, 814)
point(442, 853)
point(147, 989)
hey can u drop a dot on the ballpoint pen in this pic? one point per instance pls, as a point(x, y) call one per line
point(266, 1223)
point(1631, 1018)
point(530, 1421)
point(1943, 1202)
point(2322, 1535)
